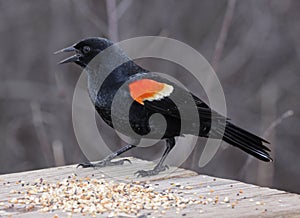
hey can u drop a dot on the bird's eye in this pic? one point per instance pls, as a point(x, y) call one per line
point(86, 49)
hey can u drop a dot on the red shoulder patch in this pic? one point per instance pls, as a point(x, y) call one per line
point(147, 89)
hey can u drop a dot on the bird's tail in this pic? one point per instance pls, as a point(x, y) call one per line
point(246, 141)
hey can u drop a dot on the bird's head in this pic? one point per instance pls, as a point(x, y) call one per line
point(85, 50)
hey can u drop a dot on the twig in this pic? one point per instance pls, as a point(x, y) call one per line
point(84, 10)
point(58, 153)
point(276, 122)
point(223, 34)
point(41, 132)
point(122, 8)
point(266, 134)
point(112, 18)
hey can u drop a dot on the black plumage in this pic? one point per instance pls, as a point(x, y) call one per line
point(120, 80)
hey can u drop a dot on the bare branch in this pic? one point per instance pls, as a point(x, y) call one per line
point(41, 132)
point(58, 153)
point(87, 12)
point(276, 122)
point(266, 134)
point(223, 34)
point(122, 8)
point(112, 18)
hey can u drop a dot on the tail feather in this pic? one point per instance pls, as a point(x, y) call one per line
point(246, 133)
point(246, 141)
point(246, 136)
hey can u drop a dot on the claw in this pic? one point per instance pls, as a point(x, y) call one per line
point(163, 168)
point(142, 173)
point(155, 171)
point(114, 163)
point(85, 165)
point(129, 161)
point(103, 163)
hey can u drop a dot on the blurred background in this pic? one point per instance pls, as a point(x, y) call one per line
point(254, 47)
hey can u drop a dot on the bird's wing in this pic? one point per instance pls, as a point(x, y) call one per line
point(165, 97)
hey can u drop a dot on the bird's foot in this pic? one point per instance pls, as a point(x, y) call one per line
point(103, 163)
point(155, 171)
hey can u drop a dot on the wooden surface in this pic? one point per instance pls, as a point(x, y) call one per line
point(235, 199)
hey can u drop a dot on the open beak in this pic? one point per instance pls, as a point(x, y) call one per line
point(69, 59)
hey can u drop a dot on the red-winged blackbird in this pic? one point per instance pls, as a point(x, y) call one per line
point(148, 93)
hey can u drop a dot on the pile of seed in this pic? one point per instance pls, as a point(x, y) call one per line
point(96, 196)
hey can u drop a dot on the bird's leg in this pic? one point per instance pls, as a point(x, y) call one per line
point(170, 143)
point(107, 160)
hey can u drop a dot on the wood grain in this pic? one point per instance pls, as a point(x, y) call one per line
point(236, 199)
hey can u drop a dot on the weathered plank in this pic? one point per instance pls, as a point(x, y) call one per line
point(217, 197)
